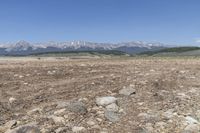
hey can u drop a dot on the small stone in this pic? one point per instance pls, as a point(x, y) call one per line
point(103, 101)
point(76, 129)
point(99, 119)
point(112, 116)
point(96, 127)
point(112, 107)
point(58, 120)
point(12, 100)
point(59, 112)
point(127, 91)
point(91, 123)
point(77, 107)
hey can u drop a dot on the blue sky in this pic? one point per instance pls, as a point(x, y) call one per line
point(167, 21)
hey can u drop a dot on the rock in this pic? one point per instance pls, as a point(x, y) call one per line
point(112, 107)
point(8, 125)
point(91, 123)
point(112, 116)
point(34, 111)
point(58, 120)
point(29, 128)
point(168, 114)
point(190, 120)
point(77, 107)
point(76, 129)
point(96, 127)
point(12, 100)
point(99, 119)
point(127, 91)
point(62, 130)
point(11, 124)
point(192, 128)
point(103, 101)
point(59, 112)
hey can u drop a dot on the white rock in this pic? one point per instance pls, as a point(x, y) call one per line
point(191, 120)
point(112, 107)
point(99, 119)
point(103, 101)
point(76, 129)
point(91, 123)
point(127, 91)
point(12, 100)
point(59, 112)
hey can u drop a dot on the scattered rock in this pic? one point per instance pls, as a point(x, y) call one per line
point(112, 107)
point(112, 116)
point(127, 91)
point(76, 129)
point(103, 101)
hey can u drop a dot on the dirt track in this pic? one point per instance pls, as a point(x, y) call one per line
point(166, 98)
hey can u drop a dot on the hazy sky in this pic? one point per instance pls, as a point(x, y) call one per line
point(167, 21)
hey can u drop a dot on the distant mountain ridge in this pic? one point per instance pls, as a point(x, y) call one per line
point(26, 48)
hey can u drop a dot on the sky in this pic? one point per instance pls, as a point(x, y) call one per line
point(166, 21)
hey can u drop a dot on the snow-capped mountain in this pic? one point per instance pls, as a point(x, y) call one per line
point(26, 48)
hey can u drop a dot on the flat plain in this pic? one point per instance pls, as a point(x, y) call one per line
point(59, 95)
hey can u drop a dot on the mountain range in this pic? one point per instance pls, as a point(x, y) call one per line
point(26, 48)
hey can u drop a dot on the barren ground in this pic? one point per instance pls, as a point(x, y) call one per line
point(166, 99)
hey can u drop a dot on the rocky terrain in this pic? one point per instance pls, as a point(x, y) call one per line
point(132, 95)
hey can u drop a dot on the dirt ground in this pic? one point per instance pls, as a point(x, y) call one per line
point(166, 97)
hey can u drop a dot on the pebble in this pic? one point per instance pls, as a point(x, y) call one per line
point(127, 91)
point(12, 100)
point(76, 129)
point(103, 101)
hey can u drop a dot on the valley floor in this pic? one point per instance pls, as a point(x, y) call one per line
point(129, 95)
